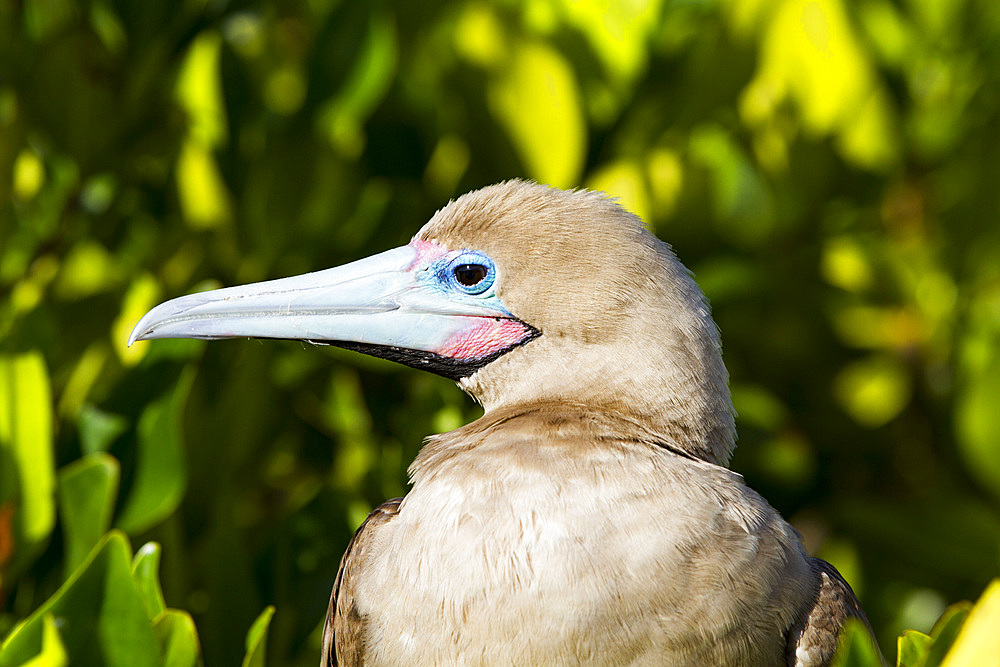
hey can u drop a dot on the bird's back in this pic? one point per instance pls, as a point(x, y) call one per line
point(556, 535)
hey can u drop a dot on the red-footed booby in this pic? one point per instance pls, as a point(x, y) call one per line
point(588, 516)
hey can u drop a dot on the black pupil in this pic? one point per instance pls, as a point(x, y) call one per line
point(470, 274)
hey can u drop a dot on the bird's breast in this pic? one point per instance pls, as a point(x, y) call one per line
point(589, 558)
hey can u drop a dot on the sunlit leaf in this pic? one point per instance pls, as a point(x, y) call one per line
point(256, 642)
point(746, 16)
point(87, 269)
point(199, 91)
point(810, 55)
point(447, 165)
point(99, 613)
point(845, 264)
point(53, 652)
point(88, 489)
point(146, 572)
point(912, 649)
point(666, 178)
point(479, 35)
point(873, 390)
point(618, 31)
point(140, 297)
point(919, 608)
point(29, 292)
point(85, 375)
point(623, 180)
point(178, 639)
point(946, 631)
point(28, 476)
point(978, 643)
point(161, 476)
point(29, 174)
point(537, 102)
point(203, 194)
point(888, 30)
point(868, 139)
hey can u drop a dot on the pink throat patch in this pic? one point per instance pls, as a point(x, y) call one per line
point(485, 336)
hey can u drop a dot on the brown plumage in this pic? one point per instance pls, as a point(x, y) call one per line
point(587, 516)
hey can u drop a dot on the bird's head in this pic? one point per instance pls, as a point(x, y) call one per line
point(523, 294)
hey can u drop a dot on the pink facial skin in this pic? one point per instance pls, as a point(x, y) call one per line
point(427, 252)
point(485, 336)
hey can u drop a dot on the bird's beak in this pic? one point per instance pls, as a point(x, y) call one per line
point(384, 305)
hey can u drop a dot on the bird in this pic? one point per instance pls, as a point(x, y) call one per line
point(589, 516)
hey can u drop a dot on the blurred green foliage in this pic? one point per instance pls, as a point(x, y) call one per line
point(827, 168)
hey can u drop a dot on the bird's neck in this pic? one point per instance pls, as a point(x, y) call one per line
point(644, 397)
point(516, 434)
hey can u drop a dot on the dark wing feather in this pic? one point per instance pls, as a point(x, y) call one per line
point(813, 639)
point(343, 631)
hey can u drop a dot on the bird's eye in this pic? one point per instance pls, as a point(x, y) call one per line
point(470, 275)
point(471, 272)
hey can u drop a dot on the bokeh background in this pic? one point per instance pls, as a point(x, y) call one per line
point(829, 169)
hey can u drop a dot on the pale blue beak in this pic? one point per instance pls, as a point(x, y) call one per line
point(396, 300)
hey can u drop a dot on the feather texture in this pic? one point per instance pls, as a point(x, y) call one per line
point(588, 516)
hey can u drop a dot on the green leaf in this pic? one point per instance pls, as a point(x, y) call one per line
point(141, 295)
point(857, 648)
point(88, 488)
point(978, 642)
point(146, 572)
point(912, 648)
point(946, 630)
point(99, 612)
point(27, 470)
point(161, 476)
point(977, 421)
point(257, 639)
point(53, 652)
point(178, 639)
point(874, 390)
point(743, 204)
point(371, 76)
point(625, 180)
point(537, 101)
point(201, 187)
point(199, 91)
point(98, 429)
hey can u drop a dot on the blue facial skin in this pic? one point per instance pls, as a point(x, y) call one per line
point(440, 275)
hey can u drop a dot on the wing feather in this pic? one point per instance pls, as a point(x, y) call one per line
point(344, 629)
point(813, 640)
